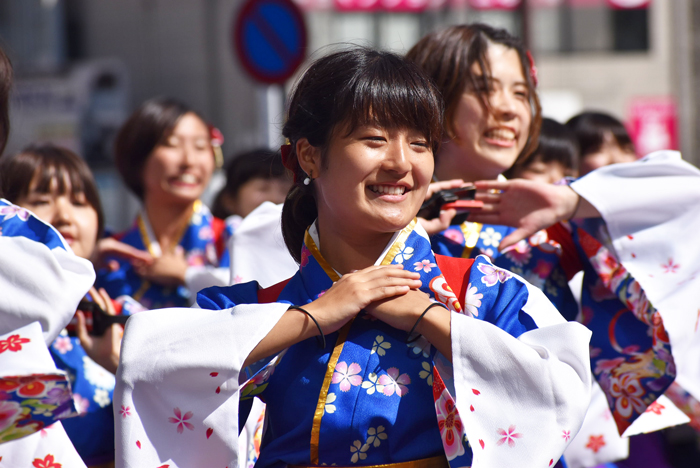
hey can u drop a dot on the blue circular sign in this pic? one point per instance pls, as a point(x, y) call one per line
point(270, 39)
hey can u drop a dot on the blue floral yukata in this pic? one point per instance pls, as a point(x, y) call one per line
point(382, 401)
point(204, 242)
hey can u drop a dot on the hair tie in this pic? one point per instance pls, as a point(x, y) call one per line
point(321, 338)
point(434, 304)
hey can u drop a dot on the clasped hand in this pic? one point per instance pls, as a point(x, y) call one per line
point(387, 292)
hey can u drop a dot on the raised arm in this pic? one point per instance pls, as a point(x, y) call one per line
point(528, 206)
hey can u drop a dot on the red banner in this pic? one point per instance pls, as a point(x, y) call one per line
point(653, 124)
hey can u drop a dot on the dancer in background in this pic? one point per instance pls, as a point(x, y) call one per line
point(252, 178)
point(58, 187)
point(165, 155)
point(603, 140)
point(41, 283)
point(555, 158)
point(492, 120)
point(371, 358)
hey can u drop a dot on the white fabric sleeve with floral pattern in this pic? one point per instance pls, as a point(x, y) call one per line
point(39, 284)
point(651, 208)
point(176, 399)
point(521, 399)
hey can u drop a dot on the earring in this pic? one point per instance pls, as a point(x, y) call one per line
point(308, 179)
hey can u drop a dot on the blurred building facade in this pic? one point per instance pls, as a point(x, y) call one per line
point(93, 61)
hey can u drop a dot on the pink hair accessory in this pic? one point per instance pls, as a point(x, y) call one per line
point(217, 139)
point(533, 68)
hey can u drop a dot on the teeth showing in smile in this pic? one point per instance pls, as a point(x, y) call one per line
point(387, 189)
point(188, 179)
point(501, 134)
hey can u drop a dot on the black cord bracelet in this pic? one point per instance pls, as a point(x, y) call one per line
point(321, 338)
point(434, 304)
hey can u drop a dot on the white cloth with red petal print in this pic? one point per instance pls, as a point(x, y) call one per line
point(651, 208)
point(652, 211)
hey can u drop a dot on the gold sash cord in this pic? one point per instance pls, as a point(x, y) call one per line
point(434, 462)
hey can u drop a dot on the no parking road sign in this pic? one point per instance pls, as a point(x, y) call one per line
point(269, 37)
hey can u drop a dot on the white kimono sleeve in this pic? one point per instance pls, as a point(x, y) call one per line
point(521, 399)
point(176, 398)
point(257, 248)
point(652, 211)
point(38, 284)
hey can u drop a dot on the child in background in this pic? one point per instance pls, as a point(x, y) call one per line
point(556, 155)
point(252, 178)
point(603, 140)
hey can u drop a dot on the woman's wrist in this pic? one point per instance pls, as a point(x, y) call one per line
point(435, 326)
point(568, 203)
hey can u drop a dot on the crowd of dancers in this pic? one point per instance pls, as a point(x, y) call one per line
point(316, 316)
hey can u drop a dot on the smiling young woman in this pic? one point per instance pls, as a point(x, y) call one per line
point(492, 121)
point(376, 346)
point(165, 155)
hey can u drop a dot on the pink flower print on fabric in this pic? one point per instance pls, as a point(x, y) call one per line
point(520, 253)
point(81, 404)
point(566, 435)
point(13, 343)
point(493, 275)
point(305, 254)
point(455, 235)
point(205, 233)
point(10, 212)
point(607, 365)
point(450, 425)
point(670, 266)
point(62, 344)
point(473, 300)
point(347, 376)
point(508, 436)
point(543, 269)
point(628, 393)
point(10, 411)
point(125, 411)
point(425, 266)
point(181, 420)
point(392, 382)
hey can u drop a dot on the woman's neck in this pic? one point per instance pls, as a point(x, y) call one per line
point(347, 251)
point(453, 163)
point(167, 221)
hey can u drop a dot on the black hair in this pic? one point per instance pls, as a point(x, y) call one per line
point(47, 163)
point(557, 143)
point(258, 163)
point(352, 88)
point(149, 126)
point(591, 129)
